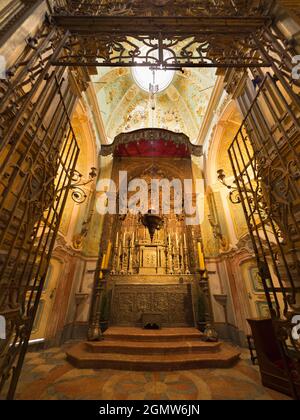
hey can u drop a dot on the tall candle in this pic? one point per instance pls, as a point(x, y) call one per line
point(102, 266)
point(201, 257)
point(118, 257)
point(103, 261)
point(108, 254)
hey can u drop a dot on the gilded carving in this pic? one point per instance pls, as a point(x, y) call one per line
point(188, 8)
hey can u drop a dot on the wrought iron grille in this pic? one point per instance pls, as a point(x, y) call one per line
point(165, 34)
point(161, 51)
point(37, 163)
point(266, 166)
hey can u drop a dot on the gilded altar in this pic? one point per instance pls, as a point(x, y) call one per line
point(136, 253)
point(150, 272)
point(151, 276)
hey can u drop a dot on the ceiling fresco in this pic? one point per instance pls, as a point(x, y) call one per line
point(126, 107)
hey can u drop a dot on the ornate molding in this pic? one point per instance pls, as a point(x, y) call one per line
point(61, 247)
point(235, 82)
point(154, 8)
point(13, 15)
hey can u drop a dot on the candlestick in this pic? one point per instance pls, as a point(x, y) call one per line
point(201, 258)
point(118, 257)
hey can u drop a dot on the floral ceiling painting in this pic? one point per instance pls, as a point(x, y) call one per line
point(181, 107)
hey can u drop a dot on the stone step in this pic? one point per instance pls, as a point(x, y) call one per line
point(151, 347)
point(81, 358)
point(139, 334)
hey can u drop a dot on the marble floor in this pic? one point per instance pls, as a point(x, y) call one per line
point(48, 376)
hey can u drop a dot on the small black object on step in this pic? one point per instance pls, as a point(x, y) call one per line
point(151, 326)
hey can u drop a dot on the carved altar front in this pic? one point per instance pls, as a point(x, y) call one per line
point(171, 301)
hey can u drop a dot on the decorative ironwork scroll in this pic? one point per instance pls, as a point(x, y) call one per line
point(114, 50)
point(206, 50)
point(78, 184)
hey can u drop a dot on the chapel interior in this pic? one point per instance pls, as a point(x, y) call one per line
point(103, 296)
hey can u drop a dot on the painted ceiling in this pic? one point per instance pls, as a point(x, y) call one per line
point(180, 108)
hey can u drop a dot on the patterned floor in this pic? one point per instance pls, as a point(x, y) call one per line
point(48, 376)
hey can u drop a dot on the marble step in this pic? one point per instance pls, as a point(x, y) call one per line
point(159, 347)
point(165, 334)
point(80, 357)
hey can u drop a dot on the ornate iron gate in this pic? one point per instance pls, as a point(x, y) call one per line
point(266, 166)
point(38, 157)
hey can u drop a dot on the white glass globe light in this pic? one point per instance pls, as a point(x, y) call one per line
point(143, 76)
